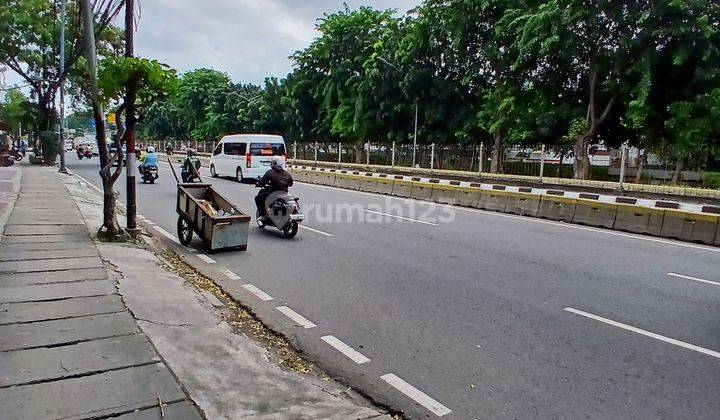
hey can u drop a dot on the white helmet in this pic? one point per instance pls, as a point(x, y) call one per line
point(150, 149)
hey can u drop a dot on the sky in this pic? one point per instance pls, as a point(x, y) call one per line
point(247, 39)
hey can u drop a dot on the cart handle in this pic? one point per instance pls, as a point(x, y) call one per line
point(173, 171)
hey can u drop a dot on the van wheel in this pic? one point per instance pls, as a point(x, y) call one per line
point(238, 175)
point(212, 171)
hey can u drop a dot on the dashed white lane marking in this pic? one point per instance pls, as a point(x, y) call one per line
point(316, 231)
point(343, 348)
point(400, 217)
point(528, 219)
point(205, 258)
point(682, 276)
point(416, 395)
point(230, 274)
point(257, 292)
point(299, 319)
point(167, 234)
point(679, 343)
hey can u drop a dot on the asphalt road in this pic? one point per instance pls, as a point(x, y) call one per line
point(490, 315)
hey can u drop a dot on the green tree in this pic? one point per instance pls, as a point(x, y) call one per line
point(18, 112)
point(29, 38)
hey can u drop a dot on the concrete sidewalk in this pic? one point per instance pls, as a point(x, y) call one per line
point(69, 348)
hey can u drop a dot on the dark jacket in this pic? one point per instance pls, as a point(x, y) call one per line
point(276, 179)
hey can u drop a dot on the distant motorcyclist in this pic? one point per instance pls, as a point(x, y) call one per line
point(148, 159)
point(187, 173)
point(275, 179)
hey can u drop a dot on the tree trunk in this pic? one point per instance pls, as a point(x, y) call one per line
point(581, 167)
point(496, 161)
point(677, 175)
point(642, 161)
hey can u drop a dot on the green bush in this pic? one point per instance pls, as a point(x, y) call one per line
point(712, 180)
point(50, 142)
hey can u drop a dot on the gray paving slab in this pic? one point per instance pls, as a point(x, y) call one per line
point(95, 356)
point(53, 264)
point(177, 411)
point(12, 313)
point(28, 239)
point(105, 394)
point(55, 291)
point(44, 230)
point(46, 277)
point(65, 331)
point(46, 254)
point(69, 219)
point(42, 246)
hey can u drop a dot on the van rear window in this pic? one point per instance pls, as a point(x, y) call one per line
point(267, 149)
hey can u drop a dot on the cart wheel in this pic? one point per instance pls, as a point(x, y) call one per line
point(290, 230)
point(184, 231)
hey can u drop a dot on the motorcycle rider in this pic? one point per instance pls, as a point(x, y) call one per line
point(188, 174)
point(275, 179)
point(148, 159)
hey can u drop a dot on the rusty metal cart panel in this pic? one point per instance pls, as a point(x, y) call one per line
point(216, 232)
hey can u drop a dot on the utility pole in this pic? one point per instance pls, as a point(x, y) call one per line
point(415, 136)
point(130, 122)
point(62, 87)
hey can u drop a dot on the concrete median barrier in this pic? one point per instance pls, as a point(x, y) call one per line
point(692, 227)
point(638, 219)
point(402, 188)
point(368, 184)
point(421, 191)
point(348, 181)
point(557, 208)
point(322, 178)
point(494, 200)
point(445, 194)
point(523, 204)
point(300, 175)
point(383, 186)
point(468, 196)
point(594, 213)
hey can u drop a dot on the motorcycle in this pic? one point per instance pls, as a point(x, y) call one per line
point(284, 213)
point(84, 153)
point(149, 174)
point(9, 157)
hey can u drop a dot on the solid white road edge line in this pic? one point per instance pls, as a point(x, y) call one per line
point(646, 333)
point(415, 394)
point(167, 234)
point(528, 219)
point(682, 276)
point(316, 231)
point(205, 258)
point(230, 274)
point(299, 319)
point(400, 217)
point(257, 292)
point(343, 348)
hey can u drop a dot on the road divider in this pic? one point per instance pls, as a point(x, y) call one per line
point(665, 219)
point(697, 279)
point(416, 395)
point(299, 319)
point(646, 333)
point(257, 292)
point(343, 348)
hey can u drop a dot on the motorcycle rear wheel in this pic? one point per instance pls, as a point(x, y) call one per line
point(290, 230)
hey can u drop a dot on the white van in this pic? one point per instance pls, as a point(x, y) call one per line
point(246, 156)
